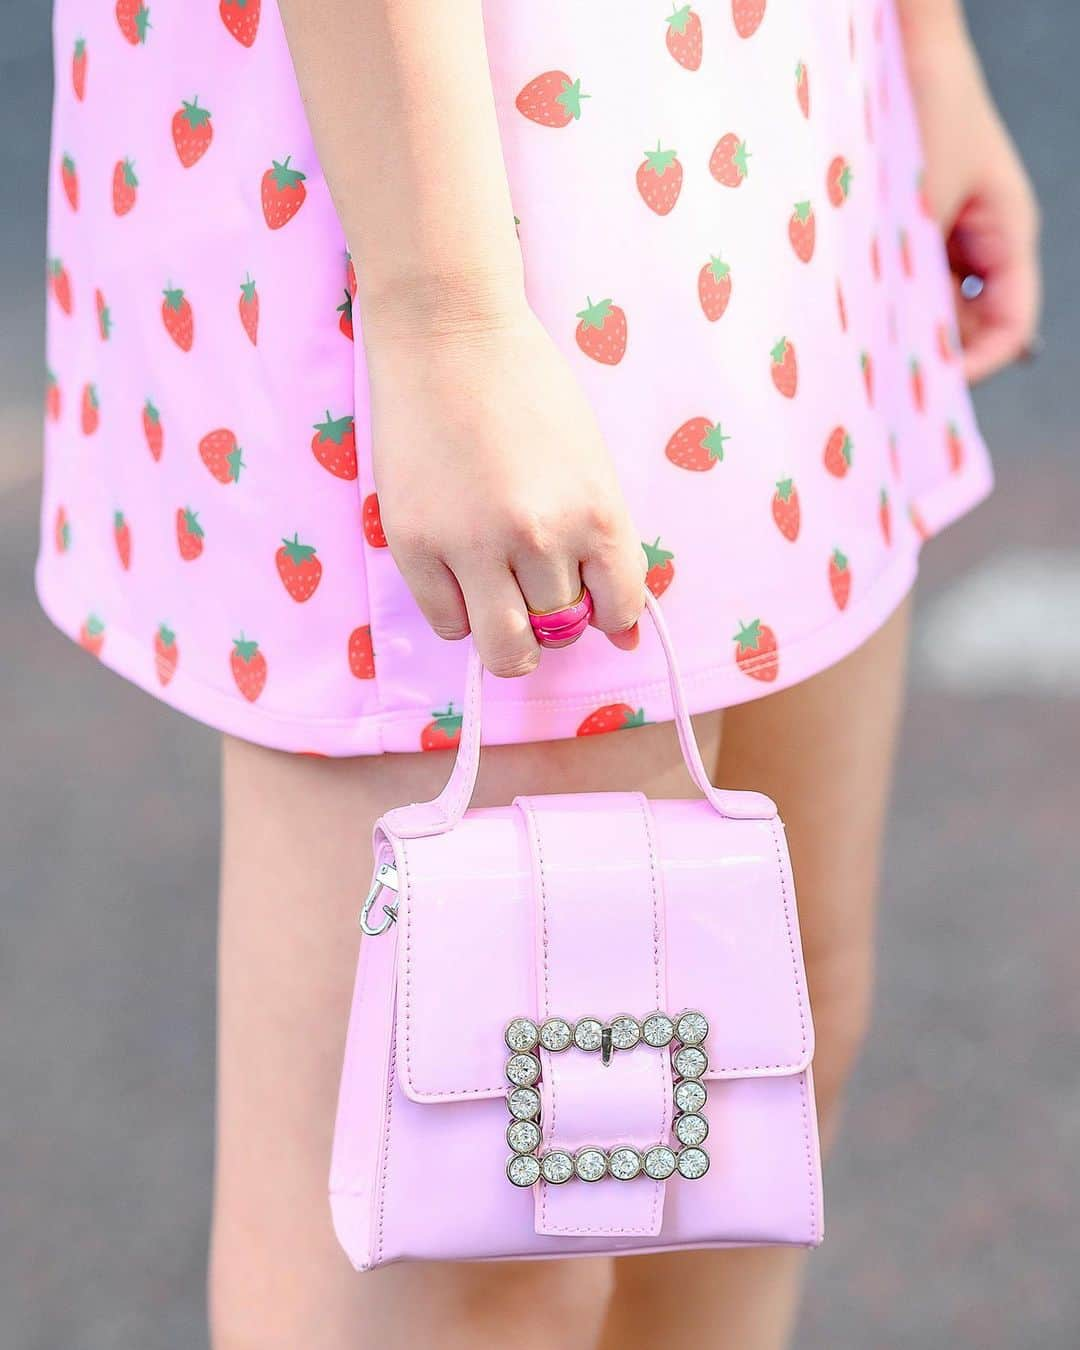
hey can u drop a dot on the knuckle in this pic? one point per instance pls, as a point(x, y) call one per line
point(529, 534)
point(450, 629)
point(509, 665)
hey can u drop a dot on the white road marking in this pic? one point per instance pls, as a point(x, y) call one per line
point(1010, 626)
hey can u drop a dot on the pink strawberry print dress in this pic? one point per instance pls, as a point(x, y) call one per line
point(722, 227)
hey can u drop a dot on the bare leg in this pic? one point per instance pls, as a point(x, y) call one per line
point(295, 863)
point(824, 751)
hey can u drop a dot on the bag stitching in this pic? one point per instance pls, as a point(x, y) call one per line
point(727, 1069)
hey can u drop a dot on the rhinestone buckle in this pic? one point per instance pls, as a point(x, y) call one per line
point(683, 1036)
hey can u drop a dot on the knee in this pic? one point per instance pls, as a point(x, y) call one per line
point(841, 999)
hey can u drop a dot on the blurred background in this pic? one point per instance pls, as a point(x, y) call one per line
point(953, 1200)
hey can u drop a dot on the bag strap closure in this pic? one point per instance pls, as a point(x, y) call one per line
point(443, 812)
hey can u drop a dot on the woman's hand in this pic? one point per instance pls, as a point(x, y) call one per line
point(977, 188)
point(495, 486)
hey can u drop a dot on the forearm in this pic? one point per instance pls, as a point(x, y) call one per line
point(399, 101)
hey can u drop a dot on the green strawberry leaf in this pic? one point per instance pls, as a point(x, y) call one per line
point(285, 178)
point(571, 97)
point(334, 428)
point(594, 316)
point(245, 649)
point(297, 552)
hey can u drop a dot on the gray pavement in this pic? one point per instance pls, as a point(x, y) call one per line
point(953, 1199)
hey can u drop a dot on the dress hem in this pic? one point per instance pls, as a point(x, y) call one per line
point(507, 722)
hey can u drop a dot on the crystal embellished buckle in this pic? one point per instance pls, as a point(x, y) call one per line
point(530, 1162)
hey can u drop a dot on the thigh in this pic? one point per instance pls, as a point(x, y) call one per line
point(295, 865)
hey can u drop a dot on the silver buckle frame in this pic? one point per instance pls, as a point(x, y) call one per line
point(683, 1035)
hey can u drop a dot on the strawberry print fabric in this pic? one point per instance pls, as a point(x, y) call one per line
point(722, 226)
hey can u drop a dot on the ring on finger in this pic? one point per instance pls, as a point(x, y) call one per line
point(559, 627)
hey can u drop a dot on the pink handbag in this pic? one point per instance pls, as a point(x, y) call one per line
point(580, 1025)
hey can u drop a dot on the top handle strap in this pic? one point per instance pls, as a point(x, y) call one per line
point(445, 810)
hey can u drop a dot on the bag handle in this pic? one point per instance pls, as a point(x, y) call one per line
point(445, 810)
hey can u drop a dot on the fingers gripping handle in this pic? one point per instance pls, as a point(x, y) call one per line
point(445, 810)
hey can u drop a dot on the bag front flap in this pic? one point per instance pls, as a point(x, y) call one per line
point(725, 933)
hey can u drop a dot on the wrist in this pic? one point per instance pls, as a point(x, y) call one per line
point(442, 303)
point(927, 26)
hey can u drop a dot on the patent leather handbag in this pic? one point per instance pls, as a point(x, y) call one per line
point(580, 1025)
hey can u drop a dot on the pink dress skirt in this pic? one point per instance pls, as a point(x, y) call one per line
point(722, 225)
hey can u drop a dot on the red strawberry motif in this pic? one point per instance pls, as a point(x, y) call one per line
point(69, 181)
point(241, 18)
point(838, 178)
point(52, 397)
point(841, 308)
point(885, 517)
point(756, 652)
point(283, 193)
point(90, 414)
point(104, 318)
point(248, 667)
point(903, 244)
point(191, 132)
point(249, 309)
point(611, 717)
point(345, 323)
point(178, 317)
point(954, 446)
point(922, 193)
point(221, 455)
point(133, 19)
point(660, 179)
point(298, 568)
point(78, 69)
point(92, 635)
point(443, 732)
point(60, 285)
point(189, 534)
point(661, 568)
point(802, 89)
point(785, 509)
point(747, 15)
point(61, 531)
point(838, 452)
point(697, 445)
point(784, 368)
point(946, 342)
point(601, 332)
point(684, 37)
point(350, 276)
point(153, 430)
point(728, 162)
point(839, 579)
point(802, 231)
point(361, 654)
point(166, 654)
point(124, 186)
point(334, 446)
point(552, 99)
point(918, 385)
point(919, 524)
point(372, 521)
point(122, 535)
point(714, 288)
point(866, 362)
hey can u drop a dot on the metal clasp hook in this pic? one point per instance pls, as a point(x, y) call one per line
point(386, 878)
